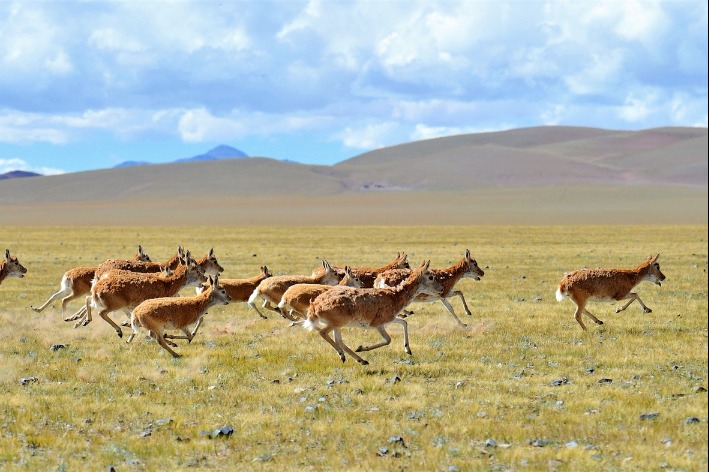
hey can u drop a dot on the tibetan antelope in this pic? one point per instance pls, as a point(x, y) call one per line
point(76, 282)
point(271, 289)
point(448, 278)
point(368, 274)
point(585, 285)
point(140, 266)
point(124, 290)
point(160, 314)
point(240, 289)
point(372, 308)
point(11, 267)
point(297, 298)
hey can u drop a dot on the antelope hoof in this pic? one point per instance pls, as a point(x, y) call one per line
point(359, 349)
point(408, 351)
point(342, 357)
point(647, 310)
point(363, 362)
point(599, 322)
point(119, 333)
point(618, 310)
point(36, 310)
point(85, 322)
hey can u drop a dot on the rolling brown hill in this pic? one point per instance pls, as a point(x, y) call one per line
point(540, 175)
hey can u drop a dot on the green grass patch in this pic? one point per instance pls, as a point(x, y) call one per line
point(521, 388)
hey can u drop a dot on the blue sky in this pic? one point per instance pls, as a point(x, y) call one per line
point(90, 84)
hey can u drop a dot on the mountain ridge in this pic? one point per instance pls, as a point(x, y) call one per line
point(566, 173)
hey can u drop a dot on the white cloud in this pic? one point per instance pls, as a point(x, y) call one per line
point(369, 136)
point(9, 165)
point(428, 132)
point(636, 109)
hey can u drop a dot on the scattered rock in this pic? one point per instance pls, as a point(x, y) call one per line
point(698, 389)
point(26, 380)
point(540, 442)
point(571, 444)
point(649, 416)
point(146, 433)
point(56, 347)
point(225, 431)
point(559, 382)
point(263, 458)
point(605, 381)
point(395, 379)
point(692, 420)
point(490, 442)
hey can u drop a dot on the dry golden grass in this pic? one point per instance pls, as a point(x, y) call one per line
point(100, 402)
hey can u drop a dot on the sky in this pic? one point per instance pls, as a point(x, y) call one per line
point(90, 84)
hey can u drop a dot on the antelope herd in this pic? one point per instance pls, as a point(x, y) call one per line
point(330, 298)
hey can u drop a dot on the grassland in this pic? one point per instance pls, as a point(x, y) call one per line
point(521, 388)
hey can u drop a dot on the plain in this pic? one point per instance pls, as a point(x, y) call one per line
point(521, 388)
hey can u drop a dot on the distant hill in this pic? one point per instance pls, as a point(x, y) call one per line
point(538, 175)
point(220, 152)
point(18, 174)
point(132, 163)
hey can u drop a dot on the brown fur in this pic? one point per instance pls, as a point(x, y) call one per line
point(239, 290)
point(367, 308)
point(159, 314)
point(586, 285)
point(11, 267)
point(123, 290)
point(297, 298)
point(76, 282)
point(369, 274)
point(140, 266)
point(448, 278)
point(271, 289)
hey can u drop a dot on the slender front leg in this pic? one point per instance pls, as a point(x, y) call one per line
point(633, 296)
point(462, 299)
point(325, 333)
point(447, 304)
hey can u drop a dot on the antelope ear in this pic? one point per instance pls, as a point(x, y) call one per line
point(7, 254)
point(656, 257)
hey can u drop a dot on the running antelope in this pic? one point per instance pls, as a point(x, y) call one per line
point(448, 278)
point(11, 267)
point(271, 289)
point(372, 308)
point(297, 298)
point(368, 274)
point(140, 266)
point(124, 290)
point(160, 314)
point(208, 264)
point(76, 282)
point(240, 289)
point(585, 285)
